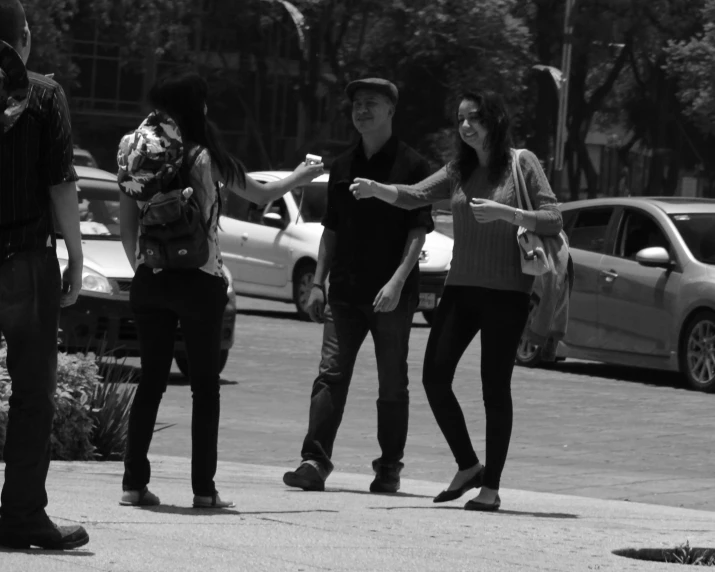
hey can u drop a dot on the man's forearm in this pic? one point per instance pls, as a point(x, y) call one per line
point(411, 254)
point(326, 252)
point(66, 208)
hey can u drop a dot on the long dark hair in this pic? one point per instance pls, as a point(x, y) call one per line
point(183, 96)
point(493, 116)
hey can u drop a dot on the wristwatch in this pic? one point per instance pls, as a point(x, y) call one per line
point(321, 286)
point(518, 216)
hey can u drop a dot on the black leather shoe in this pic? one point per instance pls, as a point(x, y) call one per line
point(474, 483)
point(387, 480)
point(482, 506)
point(54, 538)
point(305, 477)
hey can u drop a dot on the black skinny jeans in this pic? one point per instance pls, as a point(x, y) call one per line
point(501, 316)
point(160, 301)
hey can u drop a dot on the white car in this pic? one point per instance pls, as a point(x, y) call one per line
point(272, 251)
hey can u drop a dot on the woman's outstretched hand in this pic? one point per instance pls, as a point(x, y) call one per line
point(305, 173)
point(363, 188)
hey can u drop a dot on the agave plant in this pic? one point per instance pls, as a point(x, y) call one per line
point(686, 554)
point(110, 407)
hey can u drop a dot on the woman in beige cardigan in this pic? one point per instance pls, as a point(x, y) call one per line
point(485, 289)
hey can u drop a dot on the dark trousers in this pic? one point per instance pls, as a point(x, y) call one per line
point(30, 288)
point(346, 327)
point(160, 301)
point(501, 316)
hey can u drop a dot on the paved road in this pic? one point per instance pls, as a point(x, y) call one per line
point(581, 428)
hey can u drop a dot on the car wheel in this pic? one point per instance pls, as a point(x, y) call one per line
point(302, 285)
point(527, 354)
point(697, 353)
point(182, 362)
point(428, 315)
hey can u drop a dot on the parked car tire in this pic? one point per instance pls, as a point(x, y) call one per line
point(182, 362)
point(697, 351)
point(428, 315)
point(302, 284)
point(527, 354)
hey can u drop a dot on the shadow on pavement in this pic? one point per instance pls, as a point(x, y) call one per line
point(189, 511)
point(557, 515)
point(397, 494)
point(179, 380)
point(40, 551)
point(271, 314)
point(622, 373)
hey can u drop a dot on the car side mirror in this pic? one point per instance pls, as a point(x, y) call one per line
point(654, 257)
point(273, 220)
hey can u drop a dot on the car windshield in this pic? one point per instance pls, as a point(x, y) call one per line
point(698, 232)
point(312, 199)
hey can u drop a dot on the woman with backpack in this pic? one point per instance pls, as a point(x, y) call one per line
point(170, 170)
point(486, 288)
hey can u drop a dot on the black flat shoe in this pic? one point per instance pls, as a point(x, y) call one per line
point(473, 483)
point(482, 506)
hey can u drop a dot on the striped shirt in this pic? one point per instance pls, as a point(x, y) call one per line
point(35, 154)
point(487, 254)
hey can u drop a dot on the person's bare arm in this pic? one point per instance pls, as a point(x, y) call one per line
point(264, 193)
point(388, 297)
point(326, 254)
point(66, 209)
point(129, 227)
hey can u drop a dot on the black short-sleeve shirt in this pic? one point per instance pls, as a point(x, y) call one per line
point(371, 234)
point(35, 154)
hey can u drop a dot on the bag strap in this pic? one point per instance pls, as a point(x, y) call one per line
point(520, 182)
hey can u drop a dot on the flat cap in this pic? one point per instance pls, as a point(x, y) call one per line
point(378, 84)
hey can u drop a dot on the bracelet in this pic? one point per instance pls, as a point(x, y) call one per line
point(321, 286)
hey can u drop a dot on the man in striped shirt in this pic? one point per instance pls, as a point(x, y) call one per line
point(37, 180)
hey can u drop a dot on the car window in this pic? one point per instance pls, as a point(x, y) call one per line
point(589, 230)
point(312, 200)
point(638, 231)
point(278, 207)
point(698, 232)
point(236, 207)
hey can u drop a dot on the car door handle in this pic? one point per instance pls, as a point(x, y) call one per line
point(609, 275)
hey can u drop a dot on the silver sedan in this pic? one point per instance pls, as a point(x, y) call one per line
point(644, 288)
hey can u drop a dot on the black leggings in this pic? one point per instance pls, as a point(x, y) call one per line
point(501, 316)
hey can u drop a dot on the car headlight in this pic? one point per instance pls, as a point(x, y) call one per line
point(229, 278)
point(91, 281)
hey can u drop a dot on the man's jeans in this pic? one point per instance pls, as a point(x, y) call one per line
point(30, 288)
point(346, 327)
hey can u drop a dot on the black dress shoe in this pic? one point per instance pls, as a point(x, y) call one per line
point(473, 483)
point(305, 477)
point(54, 538)
point(483, 506)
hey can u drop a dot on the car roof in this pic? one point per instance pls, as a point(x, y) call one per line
point(278, 175)
point(669, 205)
point(93, 173)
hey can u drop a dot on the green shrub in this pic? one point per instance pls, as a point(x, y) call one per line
point(91, 415)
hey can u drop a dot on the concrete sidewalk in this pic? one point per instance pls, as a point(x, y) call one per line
point(274, 528)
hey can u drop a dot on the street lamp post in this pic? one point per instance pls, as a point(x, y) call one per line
point(563, 100)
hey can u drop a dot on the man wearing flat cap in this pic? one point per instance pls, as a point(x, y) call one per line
point(371, 250)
